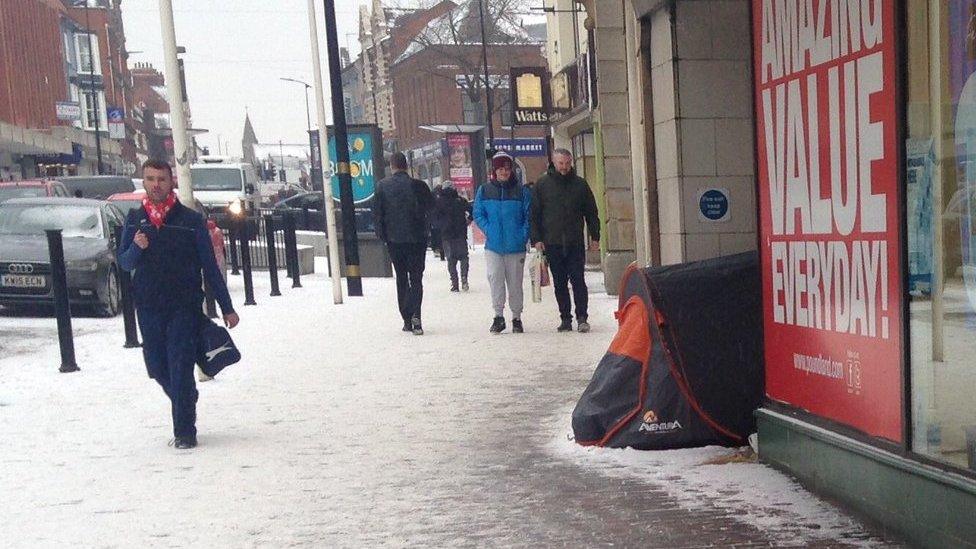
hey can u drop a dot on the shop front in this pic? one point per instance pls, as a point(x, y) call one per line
point(865, 121)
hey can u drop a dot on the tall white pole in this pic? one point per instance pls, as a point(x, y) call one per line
point(174, 90)
point(330, 220)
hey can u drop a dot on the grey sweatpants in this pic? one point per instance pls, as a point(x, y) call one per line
point(506, 270)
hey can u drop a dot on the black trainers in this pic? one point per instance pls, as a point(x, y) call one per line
point(517, 326)
point(565, 326)
point(185, 443)
point(454, 288)
point(498, 325)
point(464, 286)
point(583, 326)
point(416, 327)
point(407, 326)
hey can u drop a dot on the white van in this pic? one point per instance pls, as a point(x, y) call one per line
point(225, 185)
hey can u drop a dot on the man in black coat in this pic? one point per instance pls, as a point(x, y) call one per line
point(561, 202)
point(168, 246)
point(453, 214)
point(401, 214)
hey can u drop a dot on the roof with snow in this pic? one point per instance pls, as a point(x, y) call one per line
point(461, 26)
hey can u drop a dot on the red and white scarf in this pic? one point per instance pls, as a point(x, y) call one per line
point(157, 212)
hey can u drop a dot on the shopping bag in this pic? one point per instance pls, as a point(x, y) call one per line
point(539, 272)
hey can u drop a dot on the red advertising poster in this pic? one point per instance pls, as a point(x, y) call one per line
point(826, 120)
point(459, 163)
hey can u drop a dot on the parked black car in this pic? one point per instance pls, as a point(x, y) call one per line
point(310, 214)
point(99, 187)
point(89, 250)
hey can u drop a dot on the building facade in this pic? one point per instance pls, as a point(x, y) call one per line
point(438, 87)
point(56, 86)
point(835, 139)
point(154, 136)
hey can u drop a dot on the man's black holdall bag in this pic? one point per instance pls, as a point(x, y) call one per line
point(215, 348)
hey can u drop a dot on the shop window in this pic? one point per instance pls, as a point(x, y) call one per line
point(941, 227)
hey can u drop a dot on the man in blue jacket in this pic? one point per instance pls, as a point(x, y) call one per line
point(501, 210)
point(167, 245)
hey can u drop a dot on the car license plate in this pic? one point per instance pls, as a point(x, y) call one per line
point(23, 281)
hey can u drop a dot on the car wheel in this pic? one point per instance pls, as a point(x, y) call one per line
point(111, 300)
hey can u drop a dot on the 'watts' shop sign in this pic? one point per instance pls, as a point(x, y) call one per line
point(828, 180)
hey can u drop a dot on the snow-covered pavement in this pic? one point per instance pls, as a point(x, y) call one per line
point(339, 430)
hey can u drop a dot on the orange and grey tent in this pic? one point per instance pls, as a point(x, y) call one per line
point(686, 366)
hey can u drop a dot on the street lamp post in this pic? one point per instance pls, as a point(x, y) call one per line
point(323, 148)
point(484, 59)
point(354, 282)
point(174, 89)
point(308, 112)
point(94, 91)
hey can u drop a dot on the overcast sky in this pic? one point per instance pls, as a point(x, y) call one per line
point(236, 52)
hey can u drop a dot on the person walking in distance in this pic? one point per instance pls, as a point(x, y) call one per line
point(167, 245)
point(453, 213)
point(501, 210)
point(401, 212)
point(561, 202)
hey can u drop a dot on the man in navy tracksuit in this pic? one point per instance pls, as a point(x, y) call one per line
point(167, 245)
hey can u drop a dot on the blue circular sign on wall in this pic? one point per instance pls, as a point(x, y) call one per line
point(714, 204)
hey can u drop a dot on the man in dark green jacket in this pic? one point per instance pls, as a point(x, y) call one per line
point(561, 201)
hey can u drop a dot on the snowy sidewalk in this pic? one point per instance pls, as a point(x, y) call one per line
point(339, 430)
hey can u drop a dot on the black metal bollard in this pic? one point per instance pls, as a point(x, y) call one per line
point(128, 307)
point(234, 237)
point(291, 250)
point(286, 237)
point(272, 253)
point(245, 242)
point(62, 309)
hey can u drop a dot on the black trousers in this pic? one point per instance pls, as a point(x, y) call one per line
point(169, 347)
point(408, 263)
point(457, 251)
point(566, 264)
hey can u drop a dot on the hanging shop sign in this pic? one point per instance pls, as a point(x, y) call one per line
point(530, 96)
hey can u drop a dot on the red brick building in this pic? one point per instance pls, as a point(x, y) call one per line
point(438, 88)
point(46, 66)
point(104, 19)
point(32, 81)
point(154, 137)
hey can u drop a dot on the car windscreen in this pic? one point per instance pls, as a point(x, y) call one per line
point(216, 179)
point(34, 219)
point(6, 193)
point(98, 188)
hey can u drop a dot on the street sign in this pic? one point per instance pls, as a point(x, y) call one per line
point(713, 205)
point(68, 110)
point(521, 146)
point(115, 114)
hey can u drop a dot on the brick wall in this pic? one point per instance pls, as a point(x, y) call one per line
point(32, 76)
